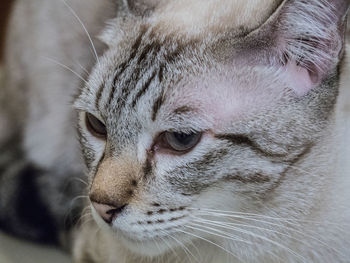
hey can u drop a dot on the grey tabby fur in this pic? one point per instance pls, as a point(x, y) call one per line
point(267, 182)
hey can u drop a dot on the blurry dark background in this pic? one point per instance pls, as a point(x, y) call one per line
point(5, 6)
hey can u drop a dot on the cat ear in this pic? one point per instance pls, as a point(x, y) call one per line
point(308, 40)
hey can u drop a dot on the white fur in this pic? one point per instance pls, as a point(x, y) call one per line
point(313, 19)
point(194, 17)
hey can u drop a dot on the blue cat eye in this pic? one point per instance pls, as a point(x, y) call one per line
point(181, 142)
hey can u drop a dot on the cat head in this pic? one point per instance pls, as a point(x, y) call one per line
point(179, 122)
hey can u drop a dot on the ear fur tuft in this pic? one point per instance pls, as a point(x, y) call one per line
point(310, 33)
point(308, 39)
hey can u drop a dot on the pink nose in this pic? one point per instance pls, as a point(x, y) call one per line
point(107, 212)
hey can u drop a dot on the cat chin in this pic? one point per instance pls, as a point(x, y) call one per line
point(152, 247)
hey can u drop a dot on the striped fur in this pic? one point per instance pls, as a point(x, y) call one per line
point(263, 184)
point(254, 158)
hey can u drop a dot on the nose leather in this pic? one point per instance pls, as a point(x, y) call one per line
point(113, 187)
point(107, 212)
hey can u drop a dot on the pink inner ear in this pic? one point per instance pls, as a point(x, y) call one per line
point(299, 78)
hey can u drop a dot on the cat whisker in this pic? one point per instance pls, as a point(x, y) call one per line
point(157, 245)
point(166, 242)
point(86, 213)
point(224, 235)
point(83, 26)
point(252, 215)
point(97, 230)
point(210, 242)
point(68, 215)
point(83, 68)
point(86, 210)
point(69, 69)
point(86, 222)
point(265, 239)
point(228, 225)
point(79, 197)
point(186, 250)
point(80, 180)
point(291, 229)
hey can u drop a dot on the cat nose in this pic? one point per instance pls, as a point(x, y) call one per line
point(107, 212)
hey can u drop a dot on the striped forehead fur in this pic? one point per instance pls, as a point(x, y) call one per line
point(306, 27)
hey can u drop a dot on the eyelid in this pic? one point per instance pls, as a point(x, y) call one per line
point(83, 112)
point(95, 126)
point(160, 145)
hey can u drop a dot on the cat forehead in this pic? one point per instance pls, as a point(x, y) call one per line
point(228, 94)
point(144, 66)
point(195, 17)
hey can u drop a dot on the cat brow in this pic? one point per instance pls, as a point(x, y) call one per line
point(184, 110)
point(179, 113)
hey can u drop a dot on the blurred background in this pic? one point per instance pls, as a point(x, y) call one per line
point(11, 249)
point(5, 6)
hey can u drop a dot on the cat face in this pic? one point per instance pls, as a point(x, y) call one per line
point(175, 125)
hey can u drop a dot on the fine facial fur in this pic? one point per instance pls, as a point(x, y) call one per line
point(215, 135)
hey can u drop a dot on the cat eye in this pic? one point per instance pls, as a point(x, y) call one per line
point(95, 126)
point(181, 142)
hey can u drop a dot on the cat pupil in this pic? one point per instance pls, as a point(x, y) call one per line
point(183, 138)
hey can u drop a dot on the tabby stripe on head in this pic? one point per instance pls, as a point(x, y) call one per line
point(122, 67)
point(161, 73)
point(120, 70)
point(239, 139)
point(156, 106)
point(150, 50)
point(160, 100)
point(144, 88)
point(154, 47)
point(171, 58)
point(135, 76)
point(99, 94)
point(183, 110)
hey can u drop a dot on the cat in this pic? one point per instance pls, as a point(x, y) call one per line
point(211, 131)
